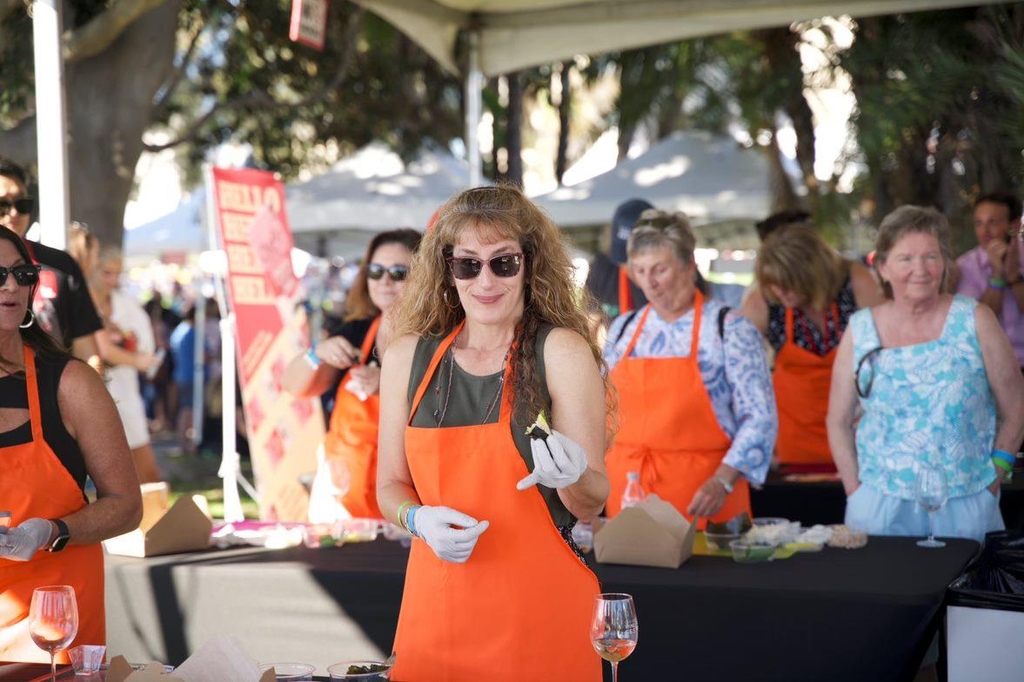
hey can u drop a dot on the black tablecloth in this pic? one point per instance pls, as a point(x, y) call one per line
point(825, 501)
point(837, 615)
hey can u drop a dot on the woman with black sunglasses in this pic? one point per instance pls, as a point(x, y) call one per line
point(489, 336)
point(934, 381)
point(58, 425)
point(347, 363)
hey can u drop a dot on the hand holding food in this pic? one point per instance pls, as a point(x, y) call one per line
point(558, 461)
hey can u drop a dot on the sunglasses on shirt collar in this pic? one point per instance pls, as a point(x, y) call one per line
point(506, 265)
point(397, 273)
point(22, 206)
point(25, 274)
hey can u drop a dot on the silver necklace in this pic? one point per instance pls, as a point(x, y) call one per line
point(441, 410)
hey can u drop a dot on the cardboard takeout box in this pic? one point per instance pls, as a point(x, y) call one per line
point(185, 527)
point(653, 533)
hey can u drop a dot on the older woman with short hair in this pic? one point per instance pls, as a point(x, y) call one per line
point(937, 381)
point(697, 413)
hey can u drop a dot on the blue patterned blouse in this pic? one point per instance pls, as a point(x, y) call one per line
point(735, 373)
point(930, 401)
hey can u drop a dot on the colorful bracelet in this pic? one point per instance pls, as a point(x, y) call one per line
point(401, 508)
point(410, 520)
point(1005, 466)
point(996, 283)
point(1007, 457)
point(312, 359)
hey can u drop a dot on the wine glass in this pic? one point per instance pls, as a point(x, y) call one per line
point(932, 491)
point(53, 620)
point(614, 630)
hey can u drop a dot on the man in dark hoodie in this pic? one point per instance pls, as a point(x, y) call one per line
point(608, 280)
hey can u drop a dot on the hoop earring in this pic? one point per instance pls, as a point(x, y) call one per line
point(31, 319)
point(444, 295)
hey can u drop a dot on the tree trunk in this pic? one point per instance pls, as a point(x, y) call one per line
point(513, 133)
point(562, 162)
point(110, 106)
point(783, 196)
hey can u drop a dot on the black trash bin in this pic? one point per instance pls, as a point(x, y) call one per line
point(985, 618)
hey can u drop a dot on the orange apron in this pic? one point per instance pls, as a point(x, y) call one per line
point(352, 438)
point(520, 607)
point(667, 429)
point(625, 295)
point(35, 484)
point(802, 381)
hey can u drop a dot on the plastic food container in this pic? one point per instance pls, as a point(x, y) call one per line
point(720, 541)
point(358, 530)
point(746, 552)
point(340, 671)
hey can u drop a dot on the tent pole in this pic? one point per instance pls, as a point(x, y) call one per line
point(474, 106)
point(51, 123)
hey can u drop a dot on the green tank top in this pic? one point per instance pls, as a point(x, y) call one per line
point(469, 402)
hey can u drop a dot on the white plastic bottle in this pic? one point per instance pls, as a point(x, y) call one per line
point(634, 494)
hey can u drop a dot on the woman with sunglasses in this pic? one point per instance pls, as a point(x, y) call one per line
point(937, 383)
point(805, 295)
point(58, 426)
point(697, 412)
point(347, 363)
point(489, 336)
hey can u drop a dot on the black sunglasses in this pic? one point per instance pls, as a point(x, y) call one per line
point(506, 265)
point(397, 273)
point(865, 390)
point(22, 206)
point(25, 274)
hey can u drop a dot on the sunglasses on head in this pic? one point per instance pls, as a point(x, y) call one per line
point(506, 265)
point(25, 274)
point(22, 206)
point(397, 273)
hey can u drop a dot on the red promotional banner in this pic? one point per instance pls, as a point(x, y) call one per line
point(284, 431)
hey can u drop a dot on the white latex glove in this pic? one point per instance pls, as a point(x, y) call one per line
point(558, 462)
point(451, 534)
point(25, 539)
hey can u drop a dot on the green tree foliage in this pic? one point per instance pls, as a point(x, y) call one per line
point(230, 73)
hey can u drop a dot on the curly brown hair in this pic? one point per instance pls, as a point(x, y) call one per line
point(550, 297)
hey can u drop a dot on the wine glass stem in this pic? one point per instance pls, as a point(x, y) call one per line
point(615, 671)
point(53, 666)
point(931, 526)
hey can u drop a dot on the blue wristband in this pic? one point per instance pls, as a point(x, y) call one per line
point(410, 519)
point(1003, 455)
point(312, 359)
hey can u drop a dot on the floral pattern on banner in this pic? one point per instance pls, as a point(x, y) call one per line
point(734, 370)
point(927, 401)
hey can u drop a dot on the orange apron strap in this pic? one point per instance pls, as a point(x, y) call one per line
point(35, 412)
point(434, 362)
point(698, 313)
point(369, 340)
point(789, 326)
point(636, 332)
point(625, 295)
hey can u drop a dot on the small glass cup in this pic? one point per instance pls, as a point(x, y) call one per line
point(293, 672)
point(87, 658)
point(340, 671)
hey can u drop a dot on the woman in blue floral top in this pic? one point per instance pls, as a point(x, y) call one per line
point(938, 383)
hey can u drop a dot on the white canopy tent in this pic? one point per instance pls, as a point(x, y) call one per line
point(515, 34)
point(503, 36)
point(723, 187)
point(179, 232)
point(369, 192)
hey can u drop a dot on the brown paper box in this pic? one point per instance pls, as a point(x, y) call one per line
point(184, 527)
point(653, 533)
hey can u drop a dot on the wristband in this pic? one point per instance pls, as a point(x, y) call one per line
point(996, 283)
point(1005, 466)
point(725, 484)
point(312, 359)
point(401, 508)
point(410, 520)
point(1004, 455)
